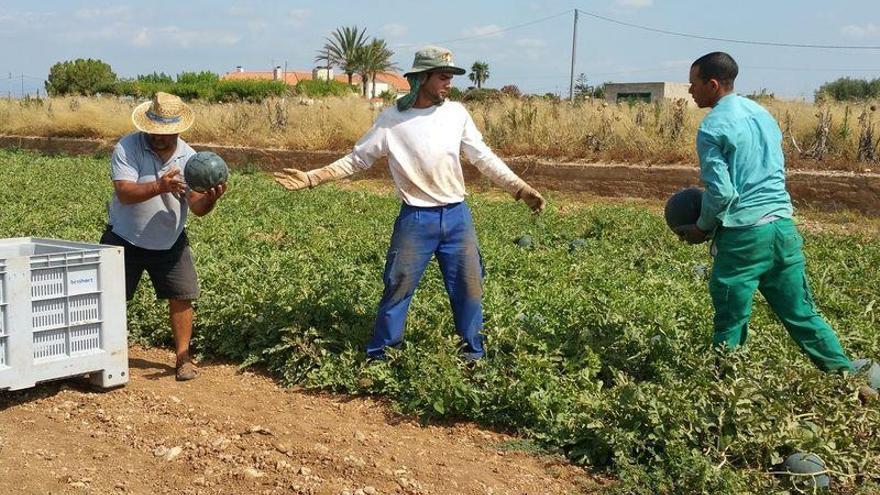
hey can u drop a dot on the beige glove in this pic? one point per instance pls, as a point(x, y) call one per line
point(293, 179)
point(531, 197)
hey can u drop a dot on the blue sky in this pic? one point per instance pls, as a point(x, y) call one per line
point(170, 37)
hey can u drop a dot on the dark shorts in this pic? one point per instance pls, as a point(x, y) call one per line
point(172, 271)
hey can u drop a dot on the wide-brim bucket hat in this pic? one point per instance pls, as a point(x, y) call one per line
point(432, 58)
point(164, 114)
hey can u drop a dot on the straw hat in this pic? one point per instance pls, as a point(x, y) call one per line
point(164, 114)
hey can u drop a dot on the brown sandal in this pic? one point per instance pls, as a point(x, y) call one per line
point(186, 371)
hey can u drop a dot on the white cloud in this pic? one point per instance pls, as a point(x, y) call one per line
point(297, 17)
point(488, 31)
point(175, 36)
point(394, 30)
point(530, 43)
point(240, 11)
point(25, 20)
point(258, 26)
point(633, 4)
point(121, 12)
point(869, 30)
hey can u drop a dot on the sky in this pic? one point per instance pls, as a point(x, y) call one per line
point(526, 43)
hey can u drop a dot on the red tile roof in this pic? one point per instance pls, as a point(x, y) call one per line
point(292, 77)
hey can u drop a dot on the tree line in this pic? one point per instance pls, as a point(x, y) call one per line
point(89, 77)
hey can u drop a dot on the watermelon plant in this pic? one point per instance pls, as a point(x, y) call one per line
point(603, 354)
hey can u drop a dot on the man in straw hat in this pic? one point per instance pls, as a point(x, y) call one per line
point(148, 212)
point(422, 136)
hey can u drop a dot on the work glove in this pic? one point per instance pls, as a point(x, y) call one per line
point(531, 197)
point(293, 179)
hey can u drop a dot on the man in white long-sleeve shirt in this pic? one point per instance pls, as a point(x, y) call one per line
point(423, 136)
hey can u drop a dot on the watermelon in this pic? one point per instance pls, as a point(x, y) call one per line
point(872, 370)
point(576, 244)
point(683, 207)
point(806, 471)
point(524, 241)
point(205, 170)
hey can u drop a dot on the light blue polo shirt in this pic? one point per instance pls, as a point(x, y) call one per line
point(157, 222)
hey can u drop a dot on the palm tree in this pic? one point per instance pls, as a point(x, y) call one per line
point(342, 47)
point(375, 58)
point(479, 73)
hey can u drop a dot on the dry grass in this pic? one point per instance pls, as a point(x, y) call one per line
point(825, 136)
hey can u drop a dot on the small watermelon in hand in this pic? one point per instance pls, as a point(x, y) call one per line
point(205, 170)
point(683, 208)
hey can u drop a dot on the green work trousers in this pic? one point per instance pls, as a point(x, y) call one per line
point(770, 258)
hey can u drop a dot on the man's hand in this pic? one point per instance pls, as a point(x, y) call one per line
point(692, 234)
point(201, 203)
point(171, 182)
point(213, 194)
point(532, 198)
point(293, 179)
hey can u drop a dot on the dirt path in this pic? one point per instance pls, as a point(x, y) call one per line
point(238, 432)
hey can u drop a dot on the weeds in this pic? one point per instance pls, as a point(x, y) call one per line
point(588, 130)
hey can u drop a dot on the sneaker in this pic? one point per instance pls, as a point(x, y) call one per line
point(186, 371)
point(867, 394)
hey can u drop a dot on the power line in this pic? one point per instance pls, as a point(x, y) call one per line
point(493, 32)
point(728, 40)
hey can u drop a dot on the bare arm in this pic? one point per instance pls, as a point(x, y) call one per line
point(130, 192)
point(202, 203)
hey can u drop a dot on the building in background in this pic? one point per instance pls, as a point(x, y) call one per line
point(648, 92)
point(385, 81)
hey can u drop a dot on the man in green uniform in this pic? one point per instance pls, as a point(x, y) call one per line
point(745, 204)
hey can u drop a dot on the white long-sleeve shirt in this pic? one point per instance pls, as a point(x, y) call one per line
point(423, 146)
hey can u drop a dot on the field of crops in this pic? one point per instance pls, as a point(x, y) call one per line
point(600, 350)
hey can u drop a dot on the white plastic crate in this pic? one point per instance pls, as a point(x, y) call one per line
point(62, 312)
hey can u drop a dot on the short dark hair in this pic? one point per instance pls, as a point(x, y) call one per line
point(719, 66)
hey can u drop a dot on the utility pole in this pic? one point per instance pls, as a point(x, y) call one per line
point(574, 35)
point(22, 87)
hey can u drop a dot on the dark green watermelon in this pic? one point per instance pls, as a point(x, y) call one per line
point(683, 207)
point(205, 170)
point(806, 471)
point(576, 245)
point(524, 241)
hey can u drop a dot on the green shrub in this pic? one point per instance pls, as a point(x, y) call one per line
point(320, 89)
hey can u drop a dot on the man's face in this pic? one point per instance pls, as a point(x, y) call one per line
point(704, 92)
point(436, 87)
point(162, 142)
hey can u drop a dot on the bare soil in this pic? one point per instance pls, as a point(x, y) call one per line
point(232, 431)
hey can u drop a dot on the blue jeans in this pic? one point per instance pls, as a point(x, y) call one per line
point(419, 234)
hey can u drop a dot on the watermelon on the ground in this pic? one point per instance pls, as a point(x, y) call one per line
point(806, 471)
point(524, 241)
point(576, 244)
point(683, 207)
point(205, 170)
